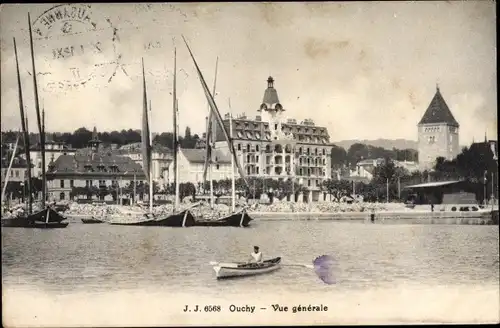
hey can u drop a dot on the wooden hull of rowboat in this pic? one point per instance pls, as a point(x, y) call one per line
point(235, 270)
point(92, 221)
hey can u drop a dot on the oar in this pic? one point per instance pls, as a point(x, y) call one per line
point(309, 266)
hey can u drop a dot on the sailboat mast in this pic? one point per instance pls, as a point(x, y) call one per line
point(175, 142)
point(24, 127)
point(176, 172)
point(212, 130)
point(150, 164)
point(39, 120)
point(233, 183)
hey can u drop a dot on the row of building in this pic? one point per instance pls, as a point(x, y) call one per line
point(271, 145)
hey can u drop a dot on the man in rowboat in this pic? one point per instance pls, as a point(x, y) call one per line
point(256, 256)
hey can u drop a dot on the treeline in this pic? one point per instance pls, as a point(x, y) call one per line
point(340, 157)
point(80, 138)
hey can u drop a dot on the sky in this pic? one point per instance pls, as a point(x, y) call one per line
point(365, 70)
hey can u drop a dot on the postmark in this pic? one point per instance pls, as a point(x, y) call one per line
point(77, 46)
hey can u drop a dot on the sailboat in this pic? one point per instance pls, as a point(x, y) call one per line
point(46, 217)
point(180, 219)
point(235, 219)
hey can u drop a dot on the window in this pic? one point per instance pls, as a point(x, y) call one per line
point(217, 166)
point(257, 170)
point(248, 147)
point(62, 183)
point(17, 174)
point(324, 152)
point(257, 147)
point(257, 158)
point(239, 146)
point(276, 126)
point(39, 165)
point(71, 183)
point(308, 183)
point(61, 196)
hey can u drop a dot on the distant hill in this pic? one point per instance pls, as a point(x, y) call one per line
point(384, 143)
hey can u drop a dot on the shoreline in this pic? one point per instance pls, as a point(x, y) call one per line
point(405, 217)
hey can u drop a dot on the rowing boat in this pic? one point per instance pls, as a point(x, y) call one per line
point(232, 270)
point(92, 220)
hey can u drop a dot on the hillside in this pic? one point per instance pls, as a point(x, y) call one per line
point(384, 143)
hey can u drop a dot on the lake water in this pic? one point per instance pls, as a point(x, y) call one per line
point(103, 275)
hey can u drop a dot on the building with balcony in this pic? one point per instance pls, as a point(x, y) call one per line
point(273, 146)
point(91, 167)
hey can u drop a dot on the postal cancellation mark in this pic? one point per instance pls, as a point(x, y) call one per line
point(78, 45)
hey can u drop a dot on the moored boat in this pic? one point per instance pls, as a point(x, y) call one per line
point(182, 219)
point(44, 219)
point(238, 219)
point(92, 221)
point(233, 270)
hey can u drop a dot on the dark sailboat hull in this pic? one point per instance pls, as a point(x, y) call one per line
point(41, 216)
point(182, 219)
point(91, 221)
point(239, 219)
point(26, 222)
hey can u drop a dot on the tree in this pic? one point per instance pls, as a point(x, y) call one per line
point(337, 188)
point(338, 157)
point(385, 172)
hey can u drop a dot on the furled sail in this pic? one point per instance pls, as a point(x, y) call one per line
point(215, 111)
point(146, 142)
point(211, 131)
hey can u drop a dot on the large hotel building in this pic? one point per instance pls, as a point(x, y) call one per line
point(274, 146)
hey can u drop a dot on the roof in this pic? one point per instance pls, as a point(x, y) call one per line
point(198, 156)
point(371, 162)
point(253, 130)
point(438, 112)
point(91, 163)
point(136, 147)
point(271, 100)
point(433, 184)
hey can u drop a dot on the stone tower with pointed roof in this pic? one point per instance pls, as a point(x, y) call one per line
point(437, 133)
point(271, 110)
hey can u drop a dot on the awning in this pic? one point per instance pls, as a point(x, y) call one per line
point(433, 184)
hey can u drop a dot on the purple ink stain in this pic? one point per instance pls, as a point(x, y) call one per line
point(324, 266)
